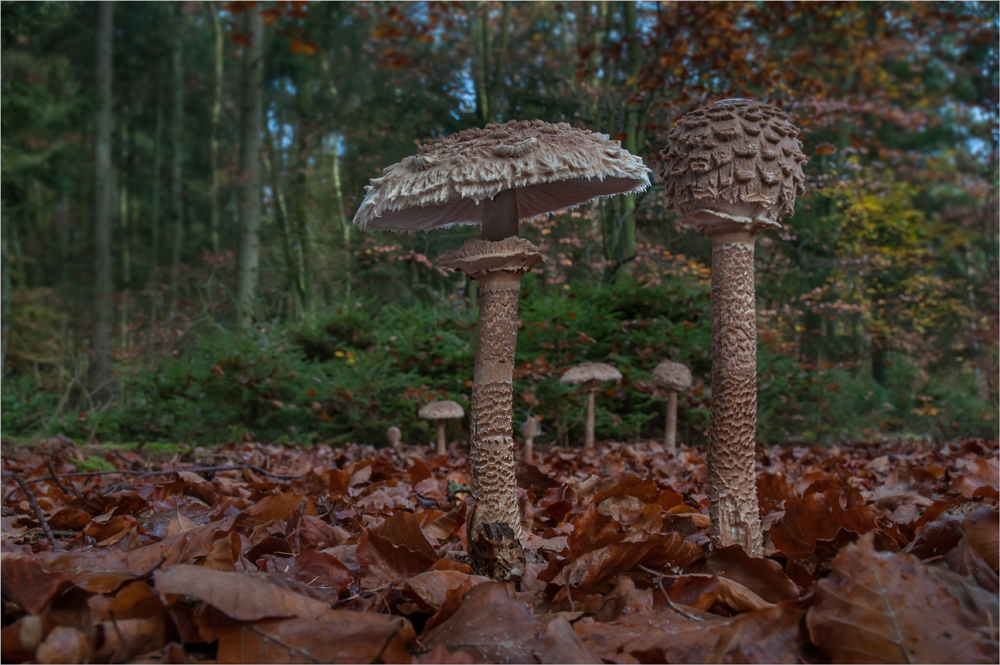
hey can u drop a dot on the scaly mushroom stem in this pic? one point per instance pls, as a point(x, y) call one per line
point(442, 448)
point(588, 437)
point(732, 489)
point(491, 441)
point(529, 449)
point(670, 435)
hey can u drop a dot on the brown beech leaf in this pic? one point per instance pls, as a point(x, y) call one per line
point(767, 635)
point(381, 559)
point(402, 529)
point(816, 516)
point(28, 582)
point(237, 595)
point(441, 656)
point(665, 638)
point(97, 571)
point(491, 626)
point(630, 485)
point(334, 637)
point(430, 590)
point(880, 607)
point(563, 645)
point(982, 528)
point(70, 519)
point(135, 601)
point(762, 576)
point(982, 478)
point(122, 639)
point(697, 591)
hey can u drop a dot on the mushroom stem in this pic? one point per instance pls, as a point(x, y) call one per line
point(500, 218)
point(442, 448)
point(529, 449)
point(670, 435)
point(588, 440)
point(491, 440)
point(732, 493)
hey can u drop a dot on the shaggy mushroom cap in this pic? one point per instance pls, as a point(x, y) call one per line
point(590, 373)
point(672, 376)
point(530, 428)
point(552, 167)
point(440, 410)
point(393, 435)
point(736, 161)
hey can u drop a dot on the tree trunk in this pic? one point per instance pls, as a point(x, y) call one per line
point(124, 210)
point(588, 436)
point(155, 231)
point(177, 150)
point(4, 296)
point(251, 110)
point(100, 371)
point(302, 216)
point(281, 219)
point(670, 432)
point(732, 493)
point(626, 249)
point(213, 192)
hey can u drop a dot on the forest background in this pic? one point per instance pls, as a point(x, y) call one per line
point(145, 145)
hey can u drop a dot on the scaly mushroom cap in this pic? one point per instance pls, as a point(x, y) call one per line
point(736, 160)
point(530, 428)
point(443, 409)
point(393, 435)
point(552, 166)
point(672, 376)
point(591, 372)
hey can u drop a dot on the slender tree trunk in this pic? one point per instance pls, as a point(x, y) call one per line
point(302, 217)
point(217, 53)
point(100, 371)
point(497, 75)
point(345, 223)
point(124, 210)
point(4, 295)
point(251, 112)
point(281, 219)
point(632, 143)
point(155, 231)
point(177, 148)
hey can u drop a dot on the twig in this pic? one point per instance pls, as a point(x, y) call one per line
point(341, 603)
point(55, 477)
point(38, 511)
point(144, 474)
point(659, 583)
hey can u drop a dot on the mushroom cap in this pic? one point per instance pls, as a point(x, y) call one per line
point(477, 255)
point(735, 162)
point(552, 166)
point(443, 409)
point(587, 372)
point(530, 428)
point(393, 435)
point(672, 376)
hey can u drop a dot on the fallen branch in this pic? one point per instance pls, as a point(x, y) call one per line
point(37, 510)
point(145, 474)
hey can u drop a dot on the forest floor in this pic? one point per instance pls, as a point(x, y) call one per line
point(876, 552)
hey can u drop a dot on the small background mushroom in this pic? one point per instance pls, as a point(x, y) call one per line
point(589, 376)
point(529, 431)
point(441, 411)
point(674, 378)
point(395, 439)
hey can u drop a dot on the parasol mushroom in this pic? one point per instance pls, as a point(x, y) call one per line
point(529, 431)
point(590, 375)
point(395, 439)
point(733, 169)
point(674, 378)
point(496, 177)
point(441, 411)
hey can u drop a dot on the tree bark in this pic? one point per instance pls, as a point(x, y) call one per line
point(626, 245)
point(307, 275)
point(281, 219)
point(155, 231)
point(217, 61)
point(732, 493)
point(177, 156)
point(100, 371)
point(4, 296)
point(670, 433)
point(251, 110)
point(588, 437)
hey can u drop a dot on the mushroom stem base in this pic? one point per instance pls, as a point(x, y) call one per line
point(442, 447)
point(588, 436)
point(733, 509)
